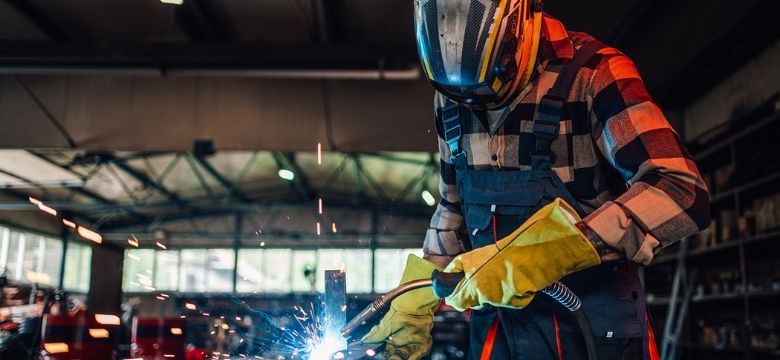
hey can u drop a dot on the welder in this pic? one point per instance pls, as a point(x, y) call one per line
point(555, 131)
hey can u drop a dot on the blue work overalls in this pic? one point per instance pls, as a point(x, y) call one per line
point(611, 293)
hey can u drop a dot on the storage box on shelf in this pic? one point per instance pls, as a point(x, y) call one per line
point(733, 313)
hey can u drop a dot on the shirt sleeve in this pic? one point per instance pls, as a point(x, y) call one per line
point(447, 232)
point(667, 199)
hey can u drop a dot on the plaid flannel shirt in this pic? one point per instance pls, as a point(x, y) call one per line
point(615, 152)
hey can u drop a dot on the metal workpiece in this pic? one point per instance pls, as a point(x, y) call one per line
point(335, 306)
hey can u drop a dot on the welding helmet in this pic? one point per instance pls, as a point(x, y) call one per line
point(478, 53)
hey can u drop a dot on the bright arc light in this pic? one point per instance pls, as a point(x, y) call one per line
point(286, 174)
point(428, 198)
point(176, 331)
point(174, 2)
point(161, 246)
point(319, 153)
point(190, 306)
point(90, 235)
point(69, 224)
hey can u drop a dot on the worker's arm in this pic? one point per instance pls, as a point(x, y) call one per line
point(667, 199)
point(446, 237)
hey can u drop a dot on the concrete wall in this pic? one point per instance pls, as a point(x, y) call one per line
point(754, 83)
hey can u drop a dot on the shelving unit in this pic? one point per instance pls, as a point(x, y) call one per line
point(734, 312)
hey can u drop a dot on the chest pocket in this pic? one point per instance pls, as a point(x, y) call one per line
point(510, 196)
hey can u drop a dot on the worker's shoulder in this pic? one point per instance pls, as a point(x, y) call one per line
point(603, 56)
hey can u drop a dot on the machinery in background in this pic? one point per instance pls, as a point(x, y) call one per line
point(159, 338)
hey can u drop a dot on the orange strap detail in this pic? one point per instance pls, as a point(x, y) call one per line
point(490, 339)
point(557, 334)
point(651, 347)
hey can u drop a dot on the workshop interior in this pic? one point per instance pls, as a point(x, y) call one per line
point(246, 179)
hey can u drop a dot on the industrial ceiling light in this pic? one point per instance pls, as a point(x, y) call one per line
point(90, 235)
point(174, 2)
point(428, 198)
point(286, 174)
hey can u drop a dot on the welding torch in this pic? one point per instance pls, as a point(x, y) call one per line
point(444, 284)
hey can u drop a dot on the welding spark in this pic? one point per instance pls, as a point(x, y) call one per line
point(283, 342)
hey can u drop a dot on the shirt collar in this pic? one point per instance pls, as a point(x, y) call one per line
point(555, 42)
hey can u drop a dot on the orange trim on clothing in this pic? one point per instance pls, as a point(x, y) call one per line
point(490, 340)
point(651, 347)
point(557, 334)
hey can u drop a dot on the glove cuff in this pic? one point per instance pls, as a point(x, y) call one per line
point(420, 301)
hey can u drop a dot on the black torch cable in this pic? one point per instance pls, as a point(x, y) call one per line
point(566, 297)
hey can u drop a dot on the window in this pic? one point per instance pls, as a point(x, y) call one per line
point(166, 270)
point(261, 271)
point(30, 258)
point(354, 261)
point(138, 274)
point(389, 266)
point(304, 269)
point(264, 270)
point(78, 264)
point(206, 270)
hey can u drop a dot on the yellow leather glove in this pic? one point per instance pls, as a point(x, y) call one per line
point(407, 325)
point(544, 249)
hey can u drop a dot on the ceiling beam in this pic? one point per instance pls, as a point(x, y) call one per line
point(300, 184)
point(108, 204)
point(37, 57)
point(322, 20)
point(147, 181)
point(41, 20)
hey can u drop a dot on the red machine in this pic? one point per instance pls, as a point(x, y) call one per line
point(158, 338)
point(80, 337)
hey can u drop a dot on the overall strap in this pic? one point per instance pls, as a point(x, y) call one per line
point(450, 116)
point(551, 106)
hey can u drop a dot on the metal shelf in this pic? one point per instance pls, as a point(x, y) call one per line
point(737, 189)
point(770, 235)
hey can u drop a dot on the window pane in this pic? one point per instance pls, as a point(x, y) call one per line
point(221, 262)
point(327, 259)
point(357, 264)
point(78, 263)
point(52, 259)
point(34, 252)
point(250, 276)
point(166, 276)
point(15, 264)
point(5, 243)
point(358, 270)
point(193, 270)
point(303, 270)
point(276, 270)
point(137, 275)
point(389, 266)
